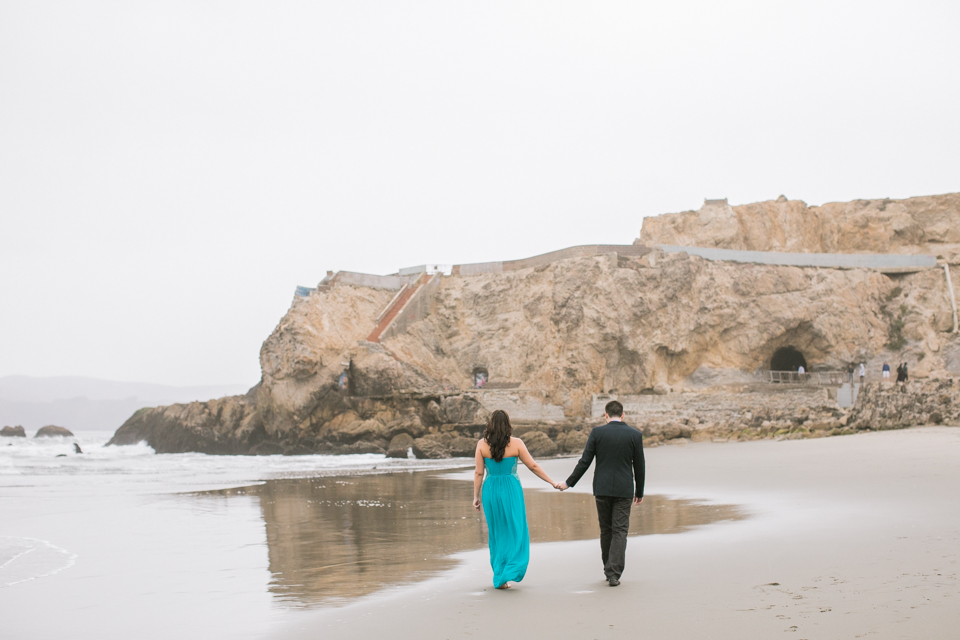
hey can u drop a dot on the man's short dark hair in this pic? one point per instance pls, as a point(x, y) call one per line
point(614, 409)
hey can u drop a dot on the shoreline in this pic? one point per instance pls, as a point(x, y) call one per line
point(837, 545)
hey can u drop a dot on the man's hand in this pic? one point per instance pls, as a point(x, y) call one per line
point(637, 500)
point(562, 486)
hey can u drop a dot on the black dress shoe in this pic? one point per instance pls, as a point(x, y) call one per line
point(614, 582)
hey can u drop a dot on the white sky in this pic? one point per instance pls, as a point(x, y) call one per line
point(170, 171)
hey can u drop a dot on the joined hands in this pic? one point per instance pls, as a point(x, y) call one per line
point(562, 486)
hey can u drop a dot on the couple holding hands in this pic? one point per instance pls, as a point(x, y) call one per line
point(618, 449)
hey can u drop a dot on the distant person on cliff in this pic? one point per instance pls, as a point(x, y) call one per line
point(886, 370)
point(850, 373)
point(863, 373)
point(618, 449)
point(901, 375)
point(503, 506)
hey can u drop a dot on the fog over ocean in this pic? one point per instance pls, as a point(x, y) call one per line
point(82, 403)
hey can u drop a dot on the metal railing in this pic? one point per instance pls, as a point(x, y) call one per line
point(830, 378)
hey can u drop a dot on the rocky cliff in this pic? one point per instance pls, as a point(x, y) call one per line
point(927, 225)
point(552, 337)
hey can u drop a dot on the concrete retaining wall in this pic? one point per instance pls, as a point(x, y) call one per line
point(880, 261)
point(393, 283)
point(520, 406)
point(582, 251)
point(445, 269)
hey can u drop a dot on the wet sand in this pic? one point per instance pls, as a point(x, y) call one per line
point(333, 539)
point(848, 537)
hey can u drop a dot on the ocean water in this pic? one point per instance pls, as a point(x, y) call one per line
point(123, 542)
point(49, 460)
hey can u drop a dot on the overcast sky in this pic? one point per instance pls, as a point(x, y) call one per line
point(170, 171)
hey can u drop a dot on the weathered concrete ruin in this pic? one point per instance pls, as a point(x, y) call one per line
point(367, 363)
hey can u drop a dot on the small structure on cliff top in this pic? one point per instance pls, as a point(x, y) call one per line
point(677, 325)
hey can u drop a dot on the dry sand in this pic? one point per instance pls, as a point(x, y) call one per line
point(850, 537)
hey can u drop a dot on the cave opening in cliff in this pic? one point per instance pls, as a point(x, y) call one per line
point(787, 359)
point(480, 377)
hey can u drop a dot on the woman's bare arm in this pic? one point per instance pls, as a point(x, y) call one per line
point(478, 478)
point(531, 464)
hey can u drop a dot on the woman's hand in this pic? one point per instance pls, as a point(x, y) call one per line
point(476, 504)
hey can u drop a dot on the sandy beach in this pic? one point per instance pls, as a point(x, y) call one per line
point(847, 537)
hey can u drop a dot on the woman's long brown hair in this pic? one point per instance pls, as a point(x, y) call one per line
point(497, 434)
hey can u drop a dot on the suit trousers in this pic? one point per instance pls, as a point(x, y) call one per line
point(614, 515)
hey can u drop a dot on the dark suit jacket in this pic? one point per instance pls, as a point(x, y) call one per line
point(619, 452)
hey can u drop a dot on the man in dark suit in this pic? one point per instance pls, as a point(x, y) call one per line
point(618, 449)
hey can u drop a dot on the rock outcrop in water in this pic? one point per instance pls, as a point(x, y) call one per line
point(51, 431)
point(11, 432)
point(552, 337)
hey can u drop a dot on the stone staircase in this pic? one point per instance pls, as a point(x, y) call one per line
point(396, 306)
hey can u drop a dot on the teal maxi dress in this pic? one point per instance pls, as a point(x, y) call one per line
point(506, 516)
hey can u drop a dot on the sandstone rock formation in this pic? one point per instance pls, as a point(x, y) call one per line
point(645, 326)
point(51, 431)
point(13, 432)
point(889, 406)
point(927, 225)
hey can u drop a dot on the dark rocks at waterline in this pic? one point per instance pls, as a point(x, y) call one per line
point(445, 445)
point(77, 448)
point(51, 431)
point(400, 446)
point(13, 432)
point(437, 426)
point(228, 426)
point(539, 444)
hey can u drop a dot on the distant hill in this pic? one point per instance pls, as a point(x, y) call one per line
point(90, 403)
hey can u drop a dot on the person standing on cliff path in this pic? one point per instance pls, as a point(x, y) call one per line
point(863, 373)
point(886, 370)
point(618, 449)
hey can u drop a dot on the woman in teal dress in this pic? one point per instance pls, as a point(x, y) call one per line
point(503, 507)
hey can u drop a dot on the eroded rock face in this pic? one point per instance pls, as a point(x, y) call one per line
point(12, 432)
point(928, 224)
point(561, 332)
point(225, 426)
point(603, 324)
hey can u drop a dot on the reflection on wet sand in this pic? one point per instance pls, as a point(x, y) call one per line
point(336, 538)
